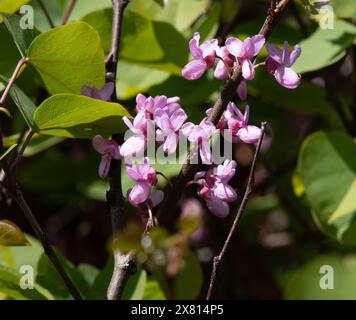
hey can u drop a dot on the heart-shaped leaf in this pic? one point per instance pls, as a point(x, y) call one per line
point(327, 168)
point(76, 116)
point(68, 57)
point(11, 234)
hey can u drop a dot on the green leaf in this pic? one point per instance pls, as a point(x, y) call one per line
point(328, 171)
point(150, 44)
point(188, 281)
point(135, 287)
point(178, 13)
point(89, 272)
point(331, 44)
point(68, 57)
point(10, 286)
point(11, 6)
point(344, 8)
point(75, 116)
point(209, 23)
point(22, 37)
point(8, 151)
point(305, 283)
point(153, 290)
point(11, 234)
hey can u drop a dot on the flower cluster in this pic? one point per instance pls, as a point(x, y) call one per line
point(162, 119)
point(236, 52)
point(214, 188)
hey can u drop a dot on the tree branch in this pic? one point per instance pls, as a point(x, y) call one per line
point(68, 12)
point(124, 264)
point(46, 13)
point(228, 92)
point(250, 185)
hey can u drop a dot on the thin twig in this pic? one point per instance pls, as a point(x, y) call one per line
point(22, 150)
point(124, 264)
point(11, 82)
point(68, 12)
point(250, 185)
point(46, 13)
point(228, 92)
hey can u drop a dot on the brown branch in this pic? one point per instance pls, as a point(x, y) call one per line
point(68, 12)
point(228, 92)
point(11, 82)
point(124, 264)
point(46, 13)
point(250, 185)
point(22, 150)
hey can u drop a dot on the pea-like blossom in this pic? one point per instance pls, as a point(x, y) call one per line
point(204, 57)
point(245, 51)
point(136, 144)
point(168, 128)
point(149, 105)
point(104, 93)
point(225, 64)
point(145, 176)
point(237, 123)
point(108, 149)
point(279, 65)
point(214, 187)
point(200, 135)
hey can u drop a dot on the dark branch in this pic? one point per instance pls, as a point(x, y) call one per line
point(68, 12)
point(124, 264)
point(46, 13)
point(248, 191)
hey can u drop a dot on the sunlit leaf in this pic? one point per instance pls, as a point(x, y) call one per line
point(11, 234)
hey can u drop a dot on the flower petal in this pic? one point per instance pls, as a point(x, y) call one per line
point(104, 165)
point(101, 144)
point(249, 134)
point(221, 71)
point(258, 42)
point(248, 70)
point(205, 152)
point(194, 69)
point(177, 119)
point(218, 207)
point(170, 145)
point(275, 53)
point(242, 90)
point(156, 197)
point(194, 48)
point(139, 193)
point(234, 46)
point(287, 77)
point(225, 192)
point(295, 54)
point(133, 146)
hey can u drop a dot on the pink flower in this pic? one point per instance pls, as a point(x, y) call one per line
point(225, 64)
point(169, 126)
point(200, 134)
point(214, 188)
point(151, 104)
point(237, 124)
point(136, 144)
point(204, 55)
point(279, 65)
point(104, 93)
point(242, 90)
point(146, 178)
point(245, 51)
point(109, 149)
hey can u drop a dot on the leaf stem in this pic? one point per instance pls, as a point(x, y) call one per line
point(46, 13)
point(250, 185)
point(11, 82)
point(22, 150)
point(68, 12)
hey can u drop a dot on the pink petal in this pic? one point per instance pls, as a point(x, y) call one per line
point(220, 71)
point(156, 197)
point(208, 47)
point(127, 122)
point(140, 102)
point(133, 146)
point(242, 90)
point(170, 145)
point(248, 71)
point(205, 152)
point(100, 144)
point(287, 77)
point(106, 91)
point(104, 165)
point(295, 54)
point(234, 46)
point(132, 172)
point(208, 127)
point(258, 42)
point(139, 193)
point(275, 53)
point(194, 47)
point(225, 192)
point(194, 69)
point(218, 207)
point(199, 175)
point(249, 134)
point(162, 120)
point(187, 129)
point(178, 118)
